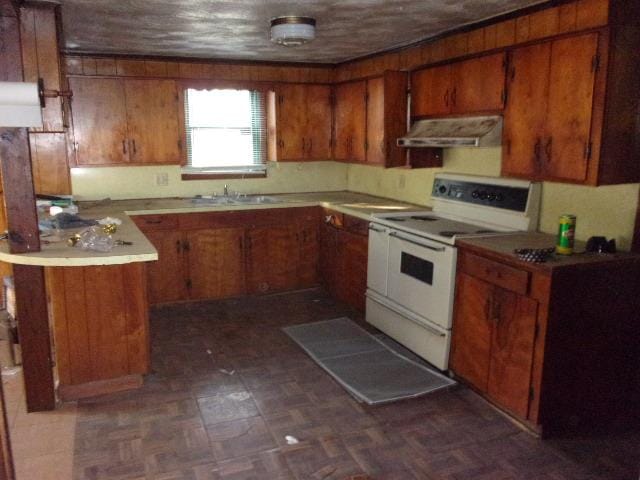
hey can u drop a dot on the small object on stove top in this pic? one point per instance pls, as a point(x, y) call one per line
point(534, 255)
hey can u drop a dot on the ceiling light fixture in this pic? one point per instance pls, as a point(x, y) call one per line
point(293, 31)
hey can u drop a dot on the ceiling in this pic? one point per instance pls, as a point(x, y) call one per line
point(239, 29)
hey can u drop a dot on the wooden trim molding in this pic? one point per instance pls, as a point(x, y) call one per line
point(99, 387)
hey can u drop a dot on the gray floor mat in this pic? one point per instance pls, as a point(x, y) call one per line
point(371, 369)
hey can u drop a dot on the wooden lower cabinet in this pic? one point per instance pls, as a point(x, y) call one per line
point(343, 259)
point(215, 263)
point(227, 254)
point(272, 258)
point(538, 341)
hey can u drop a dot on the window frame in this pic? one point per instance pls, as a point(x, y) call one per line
point(264, 88)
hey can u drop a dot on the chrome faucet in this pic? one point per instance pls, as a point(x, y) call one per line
point(226, 190)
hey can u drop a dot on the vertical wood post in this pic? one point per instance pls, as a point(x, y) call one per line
point(22, 222)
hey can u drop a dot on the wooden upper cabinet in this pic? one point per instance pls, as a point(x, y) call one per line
point(350, 121)
point(303, 122)
point(569, 107)
point(41, 60)
point(478, 84)
point(99, 121)
point(548, 119)
point(386, 118)
point(118, 121)
point(152, 121)
point(470, 86)
point(430, 91)
point(525, 113)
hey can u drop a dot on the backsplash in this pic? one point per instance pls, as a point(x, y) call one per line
point(608, 211)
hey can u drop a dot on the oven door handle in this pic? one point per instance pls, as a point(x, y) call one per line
point(435, 249)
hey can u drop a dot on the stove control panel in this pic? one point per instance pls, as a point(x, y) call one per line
point(499, 196)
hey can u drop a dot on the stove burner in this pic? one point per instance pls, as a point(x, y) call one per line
point(423, 218)
point(449, 233)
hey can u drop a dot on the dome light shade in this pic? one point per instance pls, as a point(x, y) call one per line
point(293, 31)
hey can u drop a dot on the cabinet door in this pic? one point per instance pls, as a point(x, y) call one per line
point(514, 318)
point(376, 147)
point(524, 116)
point(99, 121)
point(166, 277)
point(152, 119)
point(352, 283)
point(216, 263)
point(570, 102)
point(272, 256)
point(431, 91)
point(309, 247)
point(350, 121)
point(478, 84)
point(329, 257)
point(318, 125)
point(291, 121)
point(471, 342)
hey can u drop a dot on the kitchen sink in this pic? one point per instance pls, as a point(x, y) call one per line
point(235, 200)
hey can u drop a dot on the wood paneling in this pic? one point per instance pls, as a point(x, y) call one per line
point(153, 121)
point(100, 121)
point(478, 84)
point(291, 121)
point(99, 316)
point(319, 122)
point(350, 121)
point(430, 91)
point(49, 163)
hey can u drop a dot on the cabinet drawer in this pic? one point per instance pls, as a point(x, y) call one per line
point(156, 222)
point(497, 273)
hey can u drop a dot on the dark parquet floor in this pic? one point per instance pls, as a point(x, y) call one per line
point(228, 387)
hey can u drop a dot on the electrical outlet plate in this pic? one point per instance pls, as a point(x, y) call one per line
point(162, 179)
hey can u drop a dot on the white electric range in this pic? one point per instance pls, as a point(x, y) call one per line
point(412, 255)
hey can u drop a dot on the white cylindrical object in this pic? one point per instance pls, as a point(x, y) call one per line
point(20, 105)
point(291, 34)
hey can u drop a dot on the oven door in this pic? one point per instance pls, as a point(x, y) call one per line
point(421, 276)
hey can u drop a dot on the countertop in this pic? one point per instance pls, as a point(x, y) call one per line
point(502, 248)
point(58, 253)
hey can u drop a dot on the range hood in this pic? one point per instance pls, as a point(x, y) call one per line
point(483, 131)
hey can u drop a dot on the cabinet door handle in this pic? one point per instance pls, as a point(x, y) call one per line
point(304, 146)
point(124, 146)
point(487, 307)
point(310, 145)
point(453, 97)
point(133, 143)
point(446, 98)
point(536, 151)
point(186, 246)
point(178, 246)
point(547, 149)
point(495, 311)
point(153, 222)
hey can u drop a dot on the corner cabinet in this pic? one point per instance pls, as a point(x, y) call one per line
point(125, 121)
point(302, 126)
point(534, 338)
point(369, 116)
point(571, 109)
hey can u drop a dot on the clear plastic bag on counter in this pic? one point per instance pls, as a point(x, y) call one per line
point(94, 238)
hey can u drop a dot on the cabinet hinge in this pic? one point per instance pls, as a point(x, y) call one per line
point(595, 63)
point(532, 393)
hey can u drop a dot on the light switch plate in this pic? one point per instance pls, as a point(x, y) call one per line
point(162, 179)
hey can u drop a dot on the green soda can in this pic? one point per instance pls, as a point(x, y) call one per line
point(566, 233)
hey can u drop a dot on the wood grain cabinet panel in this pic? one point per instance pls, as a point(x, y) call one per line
point(125, 122)
point(152, 121)
point(99, 121)
point(350, 121)
point(216, 263)
point(49, 163)
point(430, 91)
point(548, 119)
point(166, 277)
point(309, 251)
point(272, 258)
point(303, 122)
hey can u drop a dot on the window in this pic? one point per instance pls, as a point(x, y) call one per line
point(225, 131)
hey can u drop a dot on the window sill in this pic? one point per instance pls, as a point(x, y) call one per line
point(222, 175)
